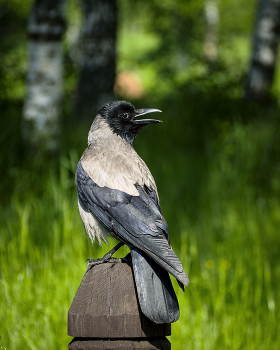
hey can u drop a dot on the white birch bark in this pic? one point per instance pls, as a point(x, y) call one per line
point(264, 54)
point(42, 107)
point(211, 34)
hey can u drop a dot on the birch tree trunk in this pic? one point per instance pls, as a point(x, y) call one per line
point(265, 44)
point(211, 34)
point(42, 107)
point(98, 63)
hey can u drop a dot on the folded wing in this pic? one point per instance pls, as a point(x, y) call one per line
point(134, 220)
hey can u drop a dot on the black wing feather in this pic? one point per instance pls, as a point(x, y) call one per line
point(140, 215)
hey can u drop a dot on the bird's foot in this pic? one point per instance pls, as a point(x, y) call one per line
point(108, 257)
point(93, 262)
point(105, 259)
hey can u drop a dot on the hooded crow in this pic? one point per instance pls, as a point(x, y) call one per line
point(117, 194)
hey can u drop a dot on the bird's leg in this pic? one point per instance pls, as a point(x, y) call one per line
point(107, 257)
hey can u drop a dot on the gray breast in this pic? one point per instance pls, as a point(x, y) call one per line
point(111, 161)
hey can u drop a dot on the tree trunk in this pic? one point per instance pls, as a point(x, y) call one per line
point(97, 72)
point(42, 106)
point(265, 44)
point(211, 32)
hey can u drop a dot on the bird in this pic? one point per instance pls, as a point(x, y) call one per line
point(117, 196)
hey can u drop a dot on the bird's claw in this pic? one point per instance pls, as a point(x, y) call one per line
point(93, 262)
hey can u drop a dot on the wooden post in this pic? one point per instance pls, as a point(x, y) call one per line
point(105, 313)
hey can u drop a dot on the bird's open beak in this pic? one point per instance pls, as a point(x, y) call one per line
point(143, 111)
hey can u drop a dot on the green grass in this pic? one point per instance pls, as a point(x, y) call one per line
point(232, 300)
point(224, 227)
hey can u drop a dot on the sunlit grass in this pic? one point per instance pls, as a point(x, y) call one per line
point(232, 300)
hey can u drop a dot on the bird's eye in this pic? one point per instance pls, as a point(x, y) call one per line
point(125, 116)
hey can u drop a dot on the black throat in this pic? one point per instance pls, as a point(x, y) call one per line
point(128, 136)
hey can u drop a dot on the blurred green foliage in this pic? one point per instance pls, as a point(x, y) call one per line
point(215, 159)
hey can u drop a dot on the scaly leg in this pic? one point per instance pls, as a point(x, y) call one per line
point(107, 257)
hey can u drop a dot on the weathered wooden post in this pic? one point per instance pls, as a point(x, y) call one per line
point(105, 313)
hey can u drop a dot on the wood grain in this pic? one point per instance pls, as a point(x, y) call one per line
point(119, 344)
point(106, 306)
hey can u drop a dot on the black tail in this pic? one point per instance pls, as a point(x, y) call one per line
point(155, 292)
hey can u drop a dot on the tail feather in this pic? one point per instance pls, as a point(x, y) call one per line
point(155, 292)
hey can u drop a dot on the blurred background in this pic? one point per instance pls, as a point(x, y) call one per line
point(211, 67)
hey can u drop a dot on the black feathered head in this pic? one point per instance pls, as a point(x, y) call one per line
point(122, 118)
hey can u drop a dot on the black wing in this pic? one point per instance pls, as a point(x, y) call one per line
point(135, 220)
